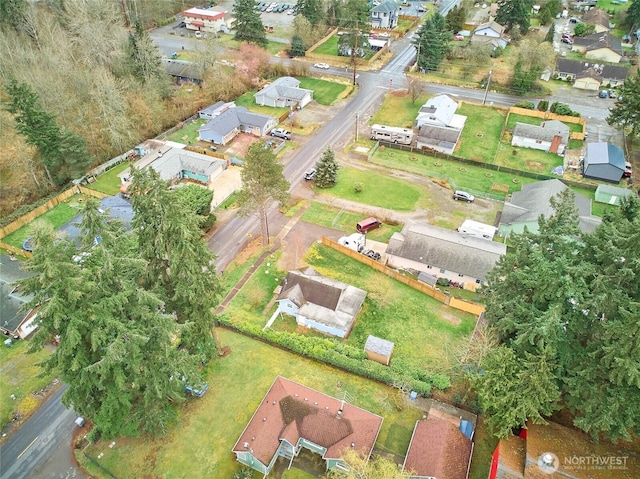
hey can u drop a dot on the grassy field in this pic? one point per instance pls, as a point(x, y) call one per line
point(481, 134)
point(483, 447)
point(425, 332)
point(528, 159)
point(324, 92)
point(109, 183)
point(379, 190)
point(188, 134)
point(398, 110)
point(324, 215)
point(19, 375)
point(200, 446)
point(329, 47)
point(56, 217)
point(465, 176)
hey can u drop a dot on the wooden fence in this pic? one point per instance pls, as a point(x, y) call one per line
point(475, 309)
point(39, 211)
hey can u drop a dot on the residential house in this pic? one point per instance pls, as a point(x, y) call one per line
point(603, 161)
point(439, 449)
point(444, 253)
point(215, 110)
point(590, 76)
point(292, 417)
point(227, 122)
point(385, 15)
point(321, 303)
point(174, 163)
point(599, 46)
point(588, 79)
point(206, 20)
point(492, 33)
point(14, 320)
point(554, 451)
point(551, 136)
point(285, 91)
point(598, 18)
point(439, 125)
point(182, 72)
point(524, 207)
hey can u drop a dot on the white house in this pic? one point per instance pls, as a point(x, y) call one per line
point(492, 33)
point(439, 125)
point(551, 136)
point(444, 253)
point(285, 91)
point(321, 303)
point(385, 15)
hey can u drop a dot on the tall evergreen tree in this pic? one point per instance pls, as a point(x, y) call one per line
point(456, 18)
point(116, 350)
point(326, 170)
point(632, 18)
point(551, 33)
point(312, 10)
point(262, 183)
point(248, 24)
point(354, 14)
point(514, 12)
point(144, 56)
point(62, 154)
point(625, 112)
point(433, 38)
point(178, 263)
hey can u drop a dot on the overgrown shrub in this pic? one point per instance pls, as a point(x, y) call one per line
point(525, 104)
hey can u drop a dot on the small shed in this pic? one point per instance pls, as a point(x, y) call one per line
point(427, 278)
point(378, 350)
point(611, 195)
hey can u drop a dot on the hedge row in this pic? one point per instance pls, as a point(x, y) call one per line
point(348, 358)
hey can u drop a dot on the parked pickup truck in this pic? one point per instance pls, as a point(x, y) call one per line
point(281, 133)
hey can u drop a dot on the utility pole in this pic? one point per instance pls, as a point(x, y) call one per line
point(357, 120)
point(486, 91)
point(353, 53)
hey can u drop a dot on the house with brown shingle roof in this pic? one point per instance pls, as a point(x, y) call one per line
point(438, 448)
point(598, 18)
point(599, 46)
point(321, 303)
point(292, 416)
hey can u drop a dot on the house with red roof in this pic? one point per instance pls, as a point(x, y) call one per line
point(440, 447)
point(292, 416)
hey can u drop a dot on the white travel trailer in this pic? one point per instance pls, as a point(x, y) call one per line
point(392, 134)
point(478, 230)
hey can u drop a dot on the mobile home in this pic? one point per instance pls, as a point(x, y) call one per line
point(392, 134)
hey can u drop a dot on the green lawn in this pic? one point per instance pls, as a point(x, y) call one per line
point(109, 183)
point(597, 209)
point(425, 332)
point(227, 41)
point(483, 446)
point(324, 92)
point(248, 101)
point(398, 110)
point(379, 190)
point(188, 134)
point(329, 47)
point(463, 176)
point(20, 376)
point(481, 134)
point(200, 446)
point(56, 217)
point(528, 159)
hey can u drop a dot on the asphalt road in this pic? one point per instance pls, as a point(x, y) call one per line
point(41, 447)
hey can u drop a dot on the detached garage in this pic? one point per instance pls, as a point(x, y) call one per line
point(604, 161)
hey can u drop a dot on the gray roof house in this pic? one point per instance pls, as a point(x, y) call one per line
point(444, 253)
point(603, 161)
point(226, 123)
point(284, 91)
point(214, 110)
point(385, 15)
point(606, 75)
point(611, 195)
point(492, 33)
point(437, 138)
point(321, 303)
point(525, 207)
point(599, 46)
point(182, 72)
point(551, 136)
point(173, 162)
point(13, 320)
point(599, 18)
